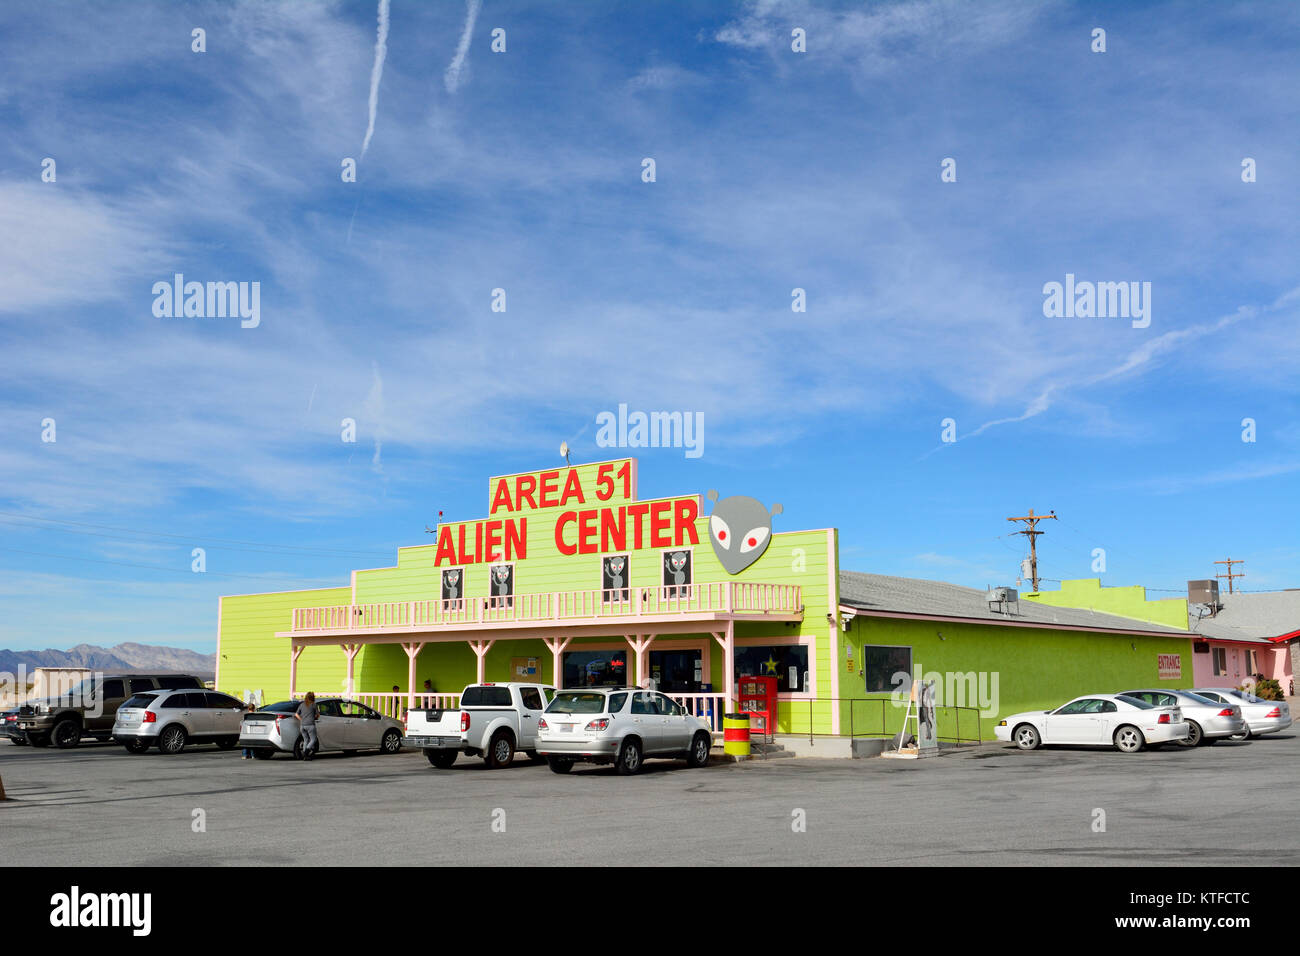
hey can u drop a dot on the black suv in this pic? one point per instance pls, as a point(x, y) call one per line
point(90, 707)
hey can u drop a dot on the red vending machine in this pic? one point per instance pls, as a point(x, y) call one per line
point(757, 695)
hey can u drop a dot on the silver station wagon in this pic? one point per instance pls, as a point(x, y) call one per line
point(619, 725)
point(343, 725)
point(173, 718)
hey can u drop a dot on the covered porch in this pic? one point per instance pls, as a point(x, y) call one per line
point(641, 620)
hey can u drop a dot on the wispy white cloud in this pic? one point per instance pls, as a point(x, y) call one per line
point(451, 78)
point(377, 72)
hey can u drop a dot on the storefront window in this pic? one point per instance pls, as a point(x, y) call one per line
point(679, 672)
point(595, 669)
point(788, 663)
point(881, 662)
point(1220, 662)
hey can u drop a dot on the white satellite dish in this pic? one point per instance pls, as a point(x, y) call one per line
point(564, 452)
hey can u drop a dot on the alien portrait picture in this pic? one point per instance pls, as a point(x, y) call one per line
point(677, 573)
point(502, 577)
point(453, 587)
point(613, 578)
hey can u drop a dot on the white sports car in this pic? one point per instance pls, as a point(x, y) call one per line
point(1098, 720)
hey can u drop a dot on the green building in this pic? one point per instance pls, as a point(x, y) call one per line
point(572, 579)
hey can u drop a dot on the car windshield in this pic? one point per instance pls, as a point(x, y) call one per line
point(1246, 695)
point(1136, 702)
point(283, 707)
point(1198, 699)
point(485, 696)
point(141, 700)
point(577, 703)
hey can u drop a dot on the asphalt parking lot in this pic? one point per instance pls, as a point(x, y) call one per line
point(97, 805)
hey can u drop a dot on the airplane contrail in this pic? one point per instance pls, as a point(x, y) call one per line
point(381, 51)
point(452, 77)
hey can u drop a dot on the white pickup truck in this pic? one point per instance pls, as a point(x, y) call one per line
point(492, 721)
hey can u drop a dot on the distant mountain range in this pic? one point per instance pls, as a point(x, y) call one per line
point(123, 658)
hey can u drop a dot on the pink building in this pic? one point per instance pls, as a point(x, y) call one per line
point(1246, 636)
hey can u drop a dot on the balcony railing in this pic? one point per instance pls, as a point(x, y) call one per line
point(726, 597)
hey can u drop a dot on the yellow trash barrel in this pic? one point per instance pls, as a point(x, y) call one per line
point(735, 735)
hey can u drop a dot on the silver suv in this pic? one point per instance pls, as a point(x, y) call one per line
point(619, 725)
point(173, 718)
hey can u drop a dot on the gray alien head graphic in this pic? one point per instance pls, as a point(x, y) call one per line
point(740, 529)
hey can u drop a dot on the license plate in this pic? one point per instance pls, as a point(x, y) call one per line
point(567, 728)
point(257, 729)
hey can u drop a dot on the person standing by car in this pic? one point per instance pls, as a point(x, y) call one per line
point(249, 707)
point(307, 714)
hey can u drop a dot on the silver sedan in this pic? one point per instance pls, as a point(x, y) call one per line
point(1262, 716)
point(1208, 720)
point(343, 725)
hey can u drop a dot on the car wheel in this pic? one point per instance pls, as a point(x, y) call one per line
point(297, 749)
point(442, 759)
point(698, 756)
point(1129, 740)
point(66, 733)
point(559, 764)
point(392, 741)
point(263, 754)
point(629, 757)
point(500, 750)
point(136, 746)
point(1026, 737)
point(1194, 735)
point(172, 740)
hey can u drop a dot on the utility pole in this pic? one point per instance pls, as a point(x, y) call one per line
point(1032, 533)
point(1230, 562)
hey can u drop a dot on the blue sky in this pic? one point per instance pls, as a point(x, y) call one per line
point(522, 170)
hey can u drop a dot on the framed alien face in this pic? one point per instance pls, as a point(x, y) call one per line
point(678, 570)
point(614, 570)
point(740, 529)
point(453, 584)
point(501, 580)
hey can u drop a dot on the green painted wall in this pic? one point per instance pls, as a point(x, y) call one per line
point(1123, 601)
point(1036, 668)
point(251, 657)
point(254, 655)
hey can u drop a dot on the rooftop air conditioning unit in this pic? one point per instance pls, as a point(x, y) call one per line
point(1002, 599)
point(1204, 592)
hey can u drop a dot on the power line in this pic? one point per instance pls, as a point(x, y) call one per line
point(1031, 520)
point(1230, 562)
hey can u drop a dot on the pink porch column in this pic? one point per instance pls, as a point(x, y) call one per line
point(727, 641)
point(639, 644)
point(412, 652)
point(480, 648)
point(295, 652)
point(351, 650)
point(557, 646)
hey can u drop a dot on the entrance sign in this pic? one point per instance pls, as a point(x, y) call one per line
point(1169, 666)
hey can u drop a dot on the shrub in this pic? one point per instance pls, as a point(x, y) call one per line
point(1266, 688)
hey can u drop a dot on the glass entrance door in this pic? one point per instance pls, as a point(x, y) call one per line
point(677, 672)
